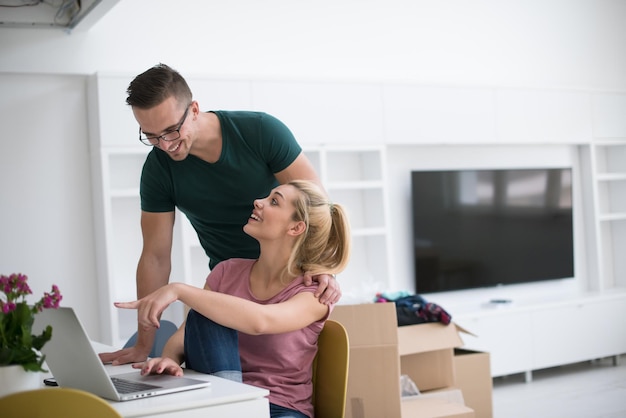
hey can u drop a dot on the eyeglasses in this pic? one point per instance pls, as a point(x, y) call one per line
point(172, 135)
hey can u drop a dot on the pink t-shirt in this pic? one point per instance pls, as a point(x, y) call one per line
point(280, 363)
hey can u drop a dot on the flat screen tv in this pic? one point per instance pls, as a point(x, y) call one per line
point(484, 228)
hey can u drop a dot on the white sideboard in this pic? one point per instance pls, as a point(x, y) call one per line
point(527, 335)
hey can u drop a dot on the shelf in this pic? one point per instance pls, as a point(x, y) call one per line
point(612, 197)
point(610, 159)
point(348, 166)
point(609, 217)
point(611, 176)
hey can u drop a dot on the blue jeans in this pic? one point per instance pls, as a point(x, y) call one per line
point(214, 349)
point(277, 411)
point(211, 348)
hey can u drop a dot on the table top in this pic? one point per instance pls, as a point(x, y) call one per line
point(221, 391)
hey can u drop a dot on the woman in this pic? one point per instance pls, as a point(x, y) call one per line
point(262, 307)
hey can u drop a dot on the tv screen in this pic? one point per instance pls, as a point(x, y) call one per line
point(482, 228)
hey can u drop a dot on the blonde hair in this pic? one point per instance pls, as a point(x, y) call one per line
point(325, 245)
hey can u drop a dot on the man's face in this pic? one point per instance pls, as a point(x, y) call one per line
point(163, 126)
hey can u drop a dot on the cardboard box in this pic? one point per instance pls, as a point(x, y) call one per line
point(427, 354)
point(473, 377)
point(451, 394)
point(374, 370)
point(429, 407)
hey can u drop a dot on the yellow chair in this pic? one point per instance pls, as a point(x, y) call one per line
point(56, 403)
point(330, 371)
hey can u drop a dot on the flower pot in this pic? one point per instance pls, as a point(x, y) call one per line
point(15, 379)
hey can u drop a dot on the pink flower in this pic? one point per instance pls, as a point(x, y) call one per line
point(52, 300)
point(17, 343)
point(8, 307)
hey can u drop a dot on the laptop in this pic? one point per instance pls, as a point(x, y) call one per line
point(75, 364)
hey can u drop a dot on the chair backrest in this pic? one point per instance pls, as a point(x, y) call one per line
point(56, 403)
point(164, 332)
point(330, 371)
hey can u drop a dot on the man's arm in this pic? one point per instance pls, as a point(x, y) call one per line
point(300, 169)
point(153, 271)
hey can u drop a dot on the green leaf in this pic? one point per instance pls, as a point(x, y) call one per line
point(38, 341)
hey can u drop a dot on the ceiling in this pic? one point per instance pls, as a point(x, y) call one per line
point(67, 15)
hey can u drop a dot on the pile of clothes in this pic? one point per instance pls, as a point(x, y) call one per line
point(414, 309)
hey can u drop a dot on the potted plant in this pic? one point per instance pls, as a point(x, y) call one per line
point(19, 349)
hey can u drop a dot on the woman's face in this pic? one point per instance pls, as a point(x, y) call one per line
point(272, 216)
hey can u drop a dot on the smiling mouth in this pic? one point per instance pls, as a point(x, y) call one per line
point(176, 148)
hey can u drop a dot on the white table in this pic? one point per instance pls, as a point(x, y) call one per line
point(224, 398)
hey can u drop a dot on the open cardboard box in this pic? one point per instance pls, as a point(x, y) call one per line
point(434, 408)
point(374, 370)
point(427, 353)
point(379, 349)
point(473, 377)
point(427, 358)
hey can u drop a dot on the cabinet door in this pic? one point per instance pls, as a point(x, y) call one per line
point(578, 332)
point(324, 113)
point(506, 336)
point(542, 116)
point(434, 115)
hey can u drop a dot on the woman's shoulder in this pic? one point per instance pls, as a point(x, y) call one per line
point(235, 265)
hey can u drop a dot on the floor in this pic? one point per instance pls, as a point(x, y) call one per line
point(595, 389)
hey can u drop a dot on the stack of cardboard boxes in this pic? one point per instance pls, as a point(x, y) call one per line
point(451, 382)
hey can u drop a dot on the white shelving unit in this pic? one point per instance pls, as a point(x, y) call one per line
point(360, 167)
point(355, 177)
point(604, 161)
point(608, 159)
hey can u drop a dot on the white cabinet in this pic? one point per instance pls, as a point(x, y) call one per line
point(507, 338)
point(579, 331)
point(537, 335)
point(324, 113)
point(422, 114)
point(542, 116)
point(355, 177)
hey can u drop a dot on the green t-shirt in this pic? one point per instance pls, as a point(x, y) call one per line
point(217, 198)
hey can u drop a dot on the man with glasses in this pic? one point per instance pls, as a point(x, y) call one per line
point(209, 165)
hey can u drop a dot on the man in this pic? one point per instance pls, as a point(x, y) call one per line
point(209, 165)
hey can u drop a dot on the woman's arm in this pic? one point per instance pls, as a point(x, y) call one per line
point(231, 311)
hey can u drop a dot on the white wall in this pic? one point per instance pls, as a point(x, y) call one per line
point(566, 43)
point(45, 212)
point(46, 220)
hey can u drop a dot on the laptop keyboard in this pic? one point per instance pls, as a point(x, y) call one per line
point(129, 386)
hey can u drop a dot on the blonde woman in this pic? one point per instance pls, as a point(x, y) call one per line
point(255, 320)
